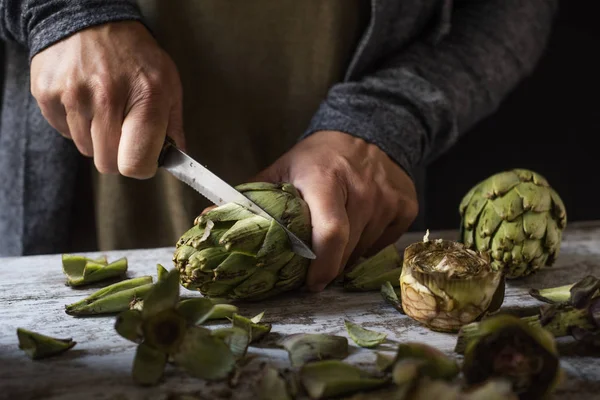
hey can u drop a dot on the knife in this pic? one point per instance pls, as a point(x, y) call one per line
point(209, 185)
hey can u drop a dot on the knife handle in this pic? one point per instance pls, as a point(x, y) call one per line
point(168, 143)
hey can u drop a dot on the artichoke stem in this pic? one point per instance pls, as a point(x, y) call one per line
point(561, 294)
point(560, 324)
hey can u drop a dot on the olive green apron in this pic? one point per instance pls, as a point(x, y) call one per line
point(253, 74)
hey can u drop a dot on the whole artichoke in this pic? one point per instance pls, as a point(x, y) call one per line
point(233, 253)
point(517, 217)
point(445, 286)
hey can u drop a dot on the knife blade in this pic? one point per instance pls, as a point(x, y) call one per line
point(209, 185)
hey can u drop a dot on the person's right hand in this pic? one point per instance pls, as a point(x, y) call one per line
point(115, 92)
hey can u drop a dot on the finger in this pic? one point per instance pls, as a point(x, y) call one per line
point(142, 138)
point(80, 127)
point(331, 230)
point(390, 235)
point(358, 217)
point(372, 232)
point(54, 112)
point(105, 131)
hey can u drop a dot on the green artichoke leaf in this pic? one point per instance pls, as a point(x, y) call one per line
point(164, 295)
point(364, 337)
point(109, 290)
point(260, 283)
point(332, 378)
point(246, 235)
point(204, 355)
point(38, 346)
point(238, 340)
point(307, 347)
point(253, 327)
point(236, 268)
point(195, 311)
point(161, 272)
point(129, 325)
point(111, 303)
point(148, 365)
point(390, 296)
point(432, 362)
point(92, 271)
point(273, 386)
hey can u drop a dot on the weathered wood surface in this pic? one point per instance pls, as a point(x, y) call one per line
point(33, 295)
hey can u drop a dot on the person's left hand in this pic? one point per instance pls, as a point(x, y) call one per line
point(360, 200)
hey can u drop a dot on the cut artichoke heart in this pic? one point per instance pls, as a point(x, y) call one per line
point(444, 285)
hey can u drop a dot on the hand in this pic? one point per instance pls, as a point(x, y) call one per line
point(359, 199)
point(115, 92)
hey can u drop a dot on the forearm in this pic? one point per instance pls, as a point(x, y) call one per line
point(419, 100)
point(37, 24)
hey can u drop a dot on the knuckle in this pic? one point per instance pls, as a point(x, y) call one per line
point(73, 95)
point(150, 86)
point(334, 231)
point(106, 96)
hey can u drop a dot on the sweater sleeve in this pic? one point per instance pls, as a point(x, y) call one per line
point(37, 24)
point(417, 102)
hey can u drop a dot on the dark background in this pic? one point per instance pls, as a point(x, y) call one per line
point(550, 124)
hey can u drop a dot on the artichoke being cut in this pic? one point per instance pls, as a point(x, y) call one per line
point(233, 253)
point(444, 285)
point(517, 217)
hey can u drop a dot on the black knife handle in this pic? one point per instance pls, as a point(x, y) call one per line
point(168, 143)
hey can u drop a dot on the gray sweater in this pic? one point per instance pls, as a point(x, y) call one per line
point(424, 72)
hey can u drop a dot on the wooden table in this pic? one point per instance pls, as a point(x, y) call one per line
point(33, 295)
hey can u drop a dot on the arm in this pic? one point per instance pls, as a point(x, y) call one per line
point(37, 24)
point(355, 161)
point(418, 102)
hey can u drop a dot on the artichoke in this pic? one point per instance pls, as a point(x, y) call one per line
point(517, 217)
point(508, 347)
point(233, 253)
point(444, 285)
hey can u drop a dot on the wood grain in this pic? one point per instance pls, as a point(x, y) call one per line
point(33, 296)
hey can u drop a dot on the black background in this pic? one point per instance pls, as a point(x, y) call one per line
point(550, 124)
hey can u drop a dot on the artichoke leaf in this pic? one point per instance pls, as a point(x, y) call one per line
point(110, 289)
point(364, 337)
point(111, 303)
point(38, 346)
point(129, 325)
point(306, 347)
point(331, 378)
point(236, 338)
point(204, 355)
point(148, 365)
point(390, 296)
point(164, 295)
point(273, 386)
point(256, 330)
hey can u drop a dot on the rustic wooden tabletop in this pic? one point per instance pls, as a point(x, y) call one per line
point(33, 295)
